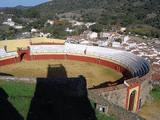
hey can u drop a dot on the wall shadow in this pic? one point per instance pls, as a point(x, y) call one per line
point(56, 71)
point(109, 84)
point(5, 74)
point(60, 98)
point(7, 110)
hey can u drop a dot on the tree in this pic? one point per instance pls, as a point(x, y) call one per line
point(32, 13)
point(97, 28)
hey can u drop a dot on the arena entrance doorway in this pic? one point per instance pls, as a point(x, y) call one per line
point(132, 101)
point(24, 54)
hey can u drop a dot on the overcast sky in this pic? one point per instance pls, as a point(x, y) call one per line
point(13, 3)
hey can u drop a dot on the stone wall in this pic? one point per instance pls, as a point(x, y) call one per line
point(119, 94)
point(115, 94)
point(117, 97)
point(109, 108)
point(145, 89)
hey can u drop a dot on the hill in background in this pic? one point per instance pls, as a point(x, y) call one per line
point(125, 12)
point(139, 16)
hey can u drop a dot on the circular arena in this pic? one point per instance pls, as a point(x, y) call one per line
point(128, 89)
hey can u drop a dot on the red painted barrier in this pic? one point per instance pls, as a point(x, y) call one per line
point(24, 54)
point(9, 61)
point(106, 63)
point(81, 58)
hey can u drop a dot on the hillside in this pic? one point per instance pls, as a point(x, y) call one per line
point(123, 12)
point(139, 16)
point(106, 12)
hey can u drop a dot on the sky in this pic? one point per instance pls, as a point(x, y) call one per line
point(13, 3)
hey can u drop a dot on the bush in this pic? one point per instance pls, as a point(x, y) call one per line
point(155, 93)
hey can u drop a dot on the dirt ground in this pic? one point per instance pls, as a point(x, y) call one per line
point(94, 74)
point(151, 111)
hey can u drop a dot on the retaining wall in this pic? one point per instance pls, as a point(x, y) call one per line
point(112, 109)
point(119, 94)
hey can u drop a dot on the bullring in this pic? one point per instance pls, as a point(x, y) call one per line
point(135, 69)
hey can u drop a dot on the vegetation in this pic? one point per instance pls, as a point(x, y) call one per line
point(7, 32)
point(144, 30)
point(19, 95)
point(150, 110)
point(102, 116)
point(97, 28)
point(126, 13)
point(155, 93)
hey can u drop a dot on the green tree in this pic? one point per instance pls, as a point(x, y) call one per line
point(97, 28)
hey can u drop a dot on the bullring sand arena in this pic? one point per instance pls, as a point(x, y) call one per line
point(94, 74)
point(124, 76)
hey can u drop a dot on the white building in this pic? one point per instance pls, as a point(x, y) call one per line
point(103, 43)
point(44, 34)
point(89, 24)
point(105, 35)
point(51, 22)
point(123, 29)
point(69, 30)
point(85, 42)
point(33, 30)
point(116, 44)
point(92, 35)
point(18, 26)
point(76, 23)
point(9, 22)
point(126, 38)
point(132, 45)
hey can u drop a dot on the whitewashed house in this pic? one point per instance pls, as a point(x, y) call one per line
point(9, 22)
point(92, 35)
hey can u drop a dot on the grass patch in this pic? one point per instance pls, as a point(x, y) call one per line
point(144, 30)
point(155, 93)
point(19, 95)
point(102, 116)
point(150, 110)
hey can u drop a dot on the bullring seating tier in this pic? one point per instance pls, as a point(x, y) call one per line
point(136, 65)
point(4, 54)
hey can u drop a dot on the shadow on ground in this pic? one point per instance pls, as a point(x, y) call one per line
point(109, 84)
point(7, 110)
point(5, 74)
point(58, 97)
